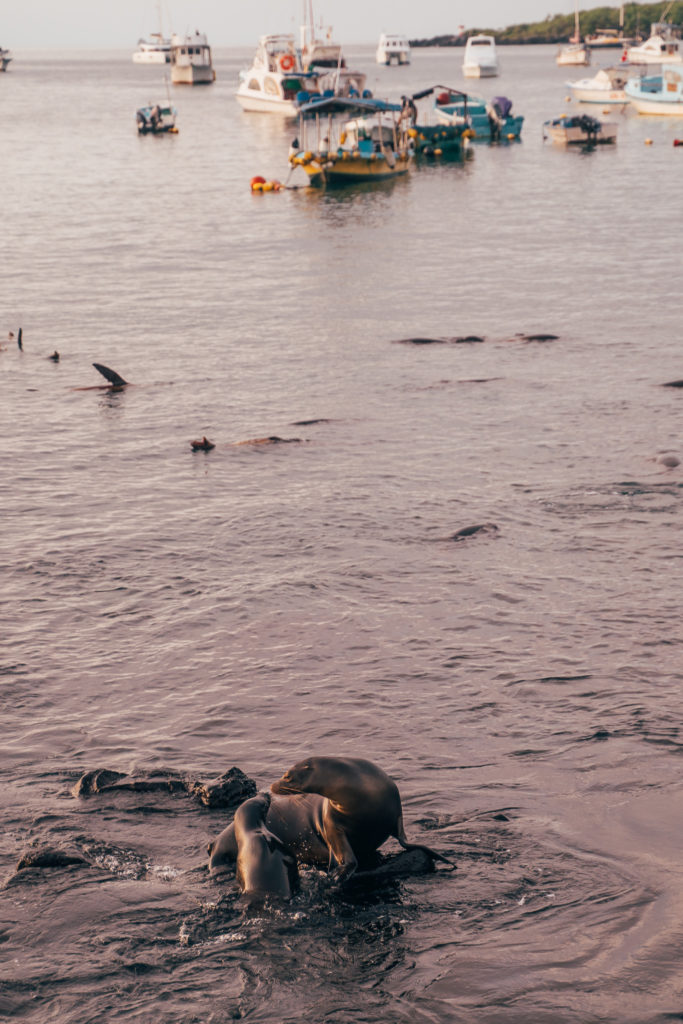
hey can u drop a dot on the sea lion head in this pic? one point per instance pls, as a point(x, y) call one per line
point(296, 779)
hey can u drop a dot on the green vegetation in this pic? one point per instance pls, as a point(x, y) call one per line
point(558, 29)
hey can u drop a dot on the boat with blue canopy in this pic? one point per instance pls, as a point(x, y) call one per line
point(488, 121)
point(343, 140)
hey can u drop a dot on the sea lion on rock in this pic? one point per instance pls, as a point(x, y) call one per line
point(264, 866)
point(362, 808)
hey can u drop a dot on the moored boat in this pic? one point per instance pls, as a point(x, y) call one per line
point(480, 60)
point(393, 49)
point(346, 140)
point(662, 46)
point(155, 50)
point(488, 121)
point(576, 52)
point(579, 130)
point(661, 93)
point(610, 38)
point(156, 120)
point(606, 86)
point(191, 60)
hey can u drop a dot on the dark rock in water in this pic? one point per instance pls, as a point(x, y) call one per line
point(470, 531)
point(399, 865)
point(104, 780)
point(268, 440)
point(230, 790)
point(54, 357)
point(49, 857)
point(540, 337)
point(308, 423)
point(420, 341)
point(467, 339)
point(96, 781)
point(673, 384)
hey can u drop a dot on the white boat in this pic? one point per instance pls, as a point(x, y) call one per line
point(606, 86)
point(604, 38)
point(661, 93)
point(576, 53)
point(663, 46)
point(282, 78)
point(191, 60)
point(155, 50)
point(5, 58)
point(393, 49)
point(480, 59)
point(579, 130)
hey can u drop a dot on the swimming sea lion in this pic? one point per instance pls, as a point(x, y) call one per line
point(264, 866)
point(362, 808)
point(297, 822)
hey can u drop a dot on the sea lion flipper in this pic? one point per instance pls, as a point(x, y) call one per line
point(111, 375)
point(403, 840)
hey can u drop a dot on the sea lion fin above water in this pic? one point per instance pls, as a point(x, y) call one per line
point(111, 375)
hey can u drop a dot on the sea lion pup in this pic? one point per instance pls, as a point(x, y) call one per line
point(297, 822)
point(362, 808)
point(264, 867)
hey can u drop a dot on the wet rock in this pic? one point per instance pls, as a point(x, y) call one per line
point(467, 339)
point(540, 337)
point(309, 423)
point(96, 781)
point(103, 780)
point(230, 790)
point(399, 865)
point(49, 857)
point(471, 531)
point(668, 460)
point(268, 440)
point(420, 341)
point(673, 384)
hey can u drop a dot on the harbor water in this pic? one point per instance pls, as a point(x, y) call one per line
point(257, 603)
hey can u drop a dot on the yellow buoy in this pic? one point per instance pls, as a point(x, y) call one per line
point(648, 142)
point(511, 135)
point(412, 133)
point(267, 186)
point(438, 152)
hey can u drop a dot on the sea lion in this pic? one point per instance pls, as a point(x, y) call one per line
point(297, 822)
point(264, 866)
point(470, 531)
point(362, 808)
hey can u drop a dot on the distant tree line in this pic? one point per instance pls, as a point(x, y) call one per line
point(558, 28)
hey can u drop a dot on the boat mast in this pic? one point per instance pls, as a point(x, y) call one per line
point(577, 32)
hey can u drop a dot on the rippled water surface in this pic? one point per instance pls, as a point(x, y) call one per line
point(257, 603)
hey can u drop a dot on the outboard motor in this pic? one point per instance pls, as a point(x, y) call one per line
point(503, 106)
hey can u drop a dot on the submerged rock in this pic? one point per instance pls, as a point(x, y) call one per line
point(229, 790)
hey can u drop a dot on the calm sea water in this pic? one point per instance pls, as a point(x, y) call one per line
point(254, 604)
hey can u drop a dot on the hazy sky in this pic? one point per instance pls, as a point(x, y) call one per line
point(120, 23)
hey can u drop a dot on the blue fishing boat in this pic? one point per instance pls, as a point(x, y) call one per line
point(489, 122)
point(344, 140)
point(661, 93)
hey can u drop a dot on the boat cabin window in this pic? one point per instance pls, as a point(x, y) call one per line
point(254, 84)
point(270, 86)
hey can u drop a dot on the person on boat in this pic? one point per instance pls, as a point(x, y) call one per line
point(408, 110)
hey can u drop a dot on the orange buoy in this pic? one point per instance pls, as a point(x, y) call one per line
point(286, 62)
point(257, 183)
point(678, 142)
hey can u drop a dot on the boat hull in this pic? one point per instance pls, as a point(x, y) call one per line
point(349, 170)
point(151, 57)
point(190, 74)
point(566, 135)
point(480, 70)
point(253, 102)
point(666, 108)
